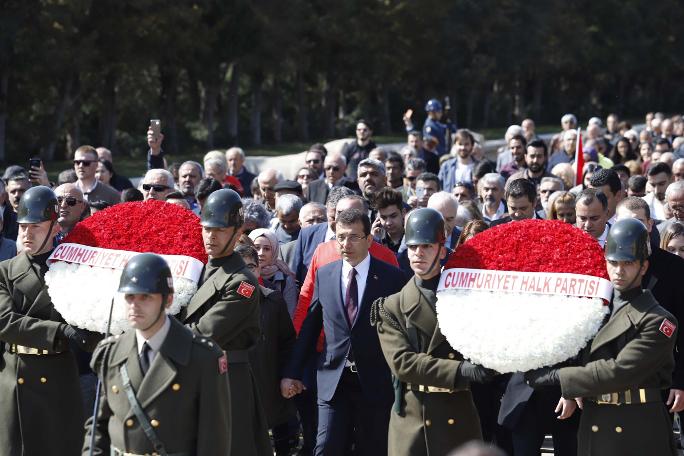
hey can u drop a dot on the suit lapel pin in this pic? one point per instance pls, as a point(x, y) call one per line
point(375, 277)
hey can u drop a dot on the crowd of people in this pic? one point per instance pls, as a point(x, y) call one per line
point(317, 364)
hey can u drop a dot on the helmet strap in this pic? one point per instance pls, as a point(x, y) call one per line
point(47, 237)
point(230, 241)
point(162, 311)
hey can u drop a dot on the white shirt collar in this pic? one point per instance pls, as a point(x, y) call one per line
point(329, 233)
point(361, 268)
point(155, 342)
point(602, 238)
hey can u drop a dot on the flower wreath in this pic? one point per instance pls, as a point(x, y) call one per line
point(84, 270)
point(523, 295)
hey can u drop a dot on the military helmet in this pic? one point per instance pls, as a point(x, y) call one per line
point(146, 273)
point(424, 226)
point(627, 241)
point(37, 204)
point(433, 105)
point(222, 209)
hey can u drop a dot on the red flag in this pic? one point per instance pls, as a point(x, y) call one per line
point(579, 158)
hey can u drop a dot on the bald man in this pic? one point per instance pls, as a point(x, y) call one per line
point(267, 179)
point(447, 205)
point(72, 208)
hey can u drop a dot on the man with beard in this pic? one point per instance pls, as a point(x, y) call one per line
point(371, 178)
point(460, 168)
point(491, 189)
point(535, 160)
point(189, 175)
point(516, 145)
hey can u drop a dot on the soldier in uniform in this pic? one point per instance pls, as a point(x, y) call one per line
point(164, 388)
point(434, 127)
point(226, 309)
point(627, 365)
point(38, 371)
point(433, 410)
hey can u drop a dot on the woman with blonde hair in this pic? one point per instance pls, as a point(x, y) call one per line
point(673, 239)
point(562, 207)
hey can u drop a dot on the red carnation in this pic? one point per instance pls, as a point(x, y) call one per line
point(143, 226)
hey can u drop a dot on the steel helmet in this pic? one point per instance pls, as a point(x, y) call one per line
point(37, 204)
point(146, 273)
point(424, 226)
point(222, 209)
point(627, 241)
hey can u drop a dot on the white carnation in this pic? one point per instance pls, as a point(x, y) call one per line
point(83, 295)
point(517, 332)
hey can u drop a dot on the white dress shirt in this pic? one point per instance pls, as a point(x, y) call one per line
point(602, 239)
point(361, 278)
point(329, 234)
point(155, 342)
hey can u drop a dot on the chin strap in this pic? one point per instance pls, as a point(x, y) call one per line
point(47, 237)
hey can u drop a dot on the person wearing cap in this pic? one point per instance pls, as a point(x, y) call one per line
point(287, 187)
point(226, 309)
point(433, 409)
point(620, 375)
point(38, 372)
point(164, 389)
point(434, 126)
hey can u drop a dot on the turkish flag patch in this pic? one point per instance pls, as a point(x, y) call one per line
point(223, 364)
point(245, 289)
point(667, 327)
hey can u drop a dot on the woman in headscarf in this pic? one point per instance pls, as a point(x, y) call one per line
point(274, 272)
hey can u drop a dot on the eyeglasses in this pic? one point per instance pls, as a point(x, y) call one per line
point(313, 161)
point(70, 200)
point(332, 168)
point(251, 266)
point(353, 238)
point(155, 187)
point(678, 208)
point(83, 162)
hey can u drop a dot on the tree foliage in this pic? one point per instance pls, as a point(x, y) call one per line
point(245, 72)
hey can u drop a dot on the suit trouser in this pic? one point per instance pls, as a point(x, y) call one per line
point(487, 399)
point(307, 408)
point(348, 419)
point(539, 418)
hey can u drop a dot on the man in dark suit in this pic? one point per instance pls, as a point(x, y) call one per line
point(310, 237)
point(354, 382)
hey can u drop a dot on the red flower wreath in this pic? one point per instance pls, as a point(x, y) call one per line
point(143, 226)
point(532, 246)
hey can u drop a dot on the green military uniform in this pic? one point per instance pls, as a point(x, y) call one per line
point(624, 370)
point(423, 423)
point(226, 309)
point(38, 373)
point(184, 395)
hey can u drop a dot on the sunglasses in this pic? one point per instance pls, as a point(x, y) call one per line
point(156, 187)
point(83, 162)
point(313, 161)
point(332, 168)
point(70, 200)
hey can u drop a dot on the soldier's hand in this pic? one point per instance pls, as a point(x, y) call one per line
point(546, 376)
point(76, 335)
point(676, 399)
point(475, 373)
point(566, 407)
